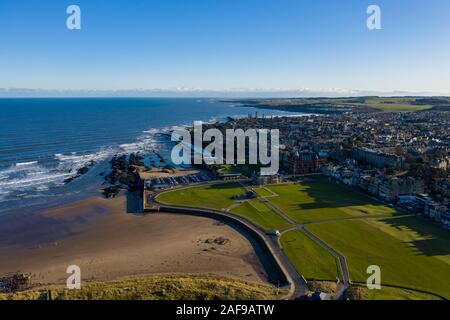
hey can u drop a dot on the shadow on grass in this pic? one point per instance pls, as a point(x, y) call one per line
point(324, 194)
point(224, 186)
point(435, 239)
point(228, 186)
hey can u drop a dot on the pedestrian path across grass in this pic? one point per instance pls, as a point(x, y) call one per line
point(215, 196)
point(411, 252)
point(309, 258)
point(264, 192)
point(260, 214)
point(223, 197)
point(320, 199)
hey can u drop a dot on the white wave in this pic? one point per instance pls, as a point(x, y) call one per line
point(74, 161)
point(28, 179)
point(153, 131)
point(22, 164)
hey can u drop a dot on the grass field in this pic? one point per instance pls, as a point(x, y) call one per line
point(221, 197)
point(263, 192)
point(158, 288)
point(395, 104)
point(317, 105)
point(389, 293)
point(260, 214)
point(320, 199)
point(214, 196)
point(411, 252)
point(310, 259)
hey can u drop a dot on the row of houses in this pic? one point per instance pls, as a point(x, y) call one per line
point(386, 187)
point(438, 212)
point(407, 191)
point(378, 158)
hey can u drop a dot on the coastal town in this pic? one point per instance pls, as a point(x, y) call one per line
point(225, 158)
point(401, 159)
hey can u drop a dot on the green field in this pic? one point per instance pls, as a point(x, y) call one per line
point(395, 104)
point(260, 214)
point(263, 192)
point(212, 196)
point(326, 105)
point(221, 197)
point(389, 293)
point(157, 288)
point(320, 199)
point(244, 169)
point(411, 252)
point(309, 258)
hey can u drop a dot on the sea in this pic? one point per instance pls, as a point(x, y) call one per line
point(44, 142)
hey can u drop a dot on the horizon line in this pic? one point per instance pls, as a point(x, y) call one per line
point(234, 93)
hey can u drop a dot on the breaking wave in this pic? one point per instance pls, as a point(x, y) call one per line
point(26, 179)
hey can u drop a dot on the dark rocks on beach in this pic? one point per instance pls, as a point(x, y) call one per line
point(119, 162)
point(80, 172)
point(124, 173)
point(84, 169)
point(14, 282)
point(219, 241)
point(111, 192)
point(68, 180)
point(136, 160)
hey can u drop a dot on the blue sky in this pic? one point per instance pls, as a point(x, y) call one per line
point(226, 44)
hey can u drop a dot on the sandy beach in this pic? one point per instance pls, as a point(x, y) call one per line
point(108, 243)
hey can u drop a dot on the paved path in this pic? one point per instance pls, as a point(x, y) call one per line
point(297, 226)
point(297, 281)
point(361, 218)
point(298, 286)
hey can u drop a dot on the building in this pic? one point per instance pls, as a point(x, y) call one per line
point(442, 186)
point(378, 158)
point(263, 180)
point(301, 162)
point(231, 176)
point(438, 212)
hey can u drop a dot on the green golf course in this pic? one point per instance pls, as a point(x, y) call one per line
point(260, 214)
point(309, 258)
point(219, 196)
point(412, 252)
point(320, 199)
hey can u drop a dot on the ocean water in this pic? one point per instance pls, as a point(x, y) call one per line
point(43, 142)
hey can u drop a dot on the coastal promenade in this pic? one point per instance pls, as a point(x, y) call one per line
point(279, 268)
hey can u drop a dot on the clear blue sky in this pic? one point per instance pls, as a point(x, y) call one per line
point(222, 44)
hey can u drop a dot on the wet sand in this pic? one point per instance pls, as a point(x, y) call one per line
point(108, 243)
